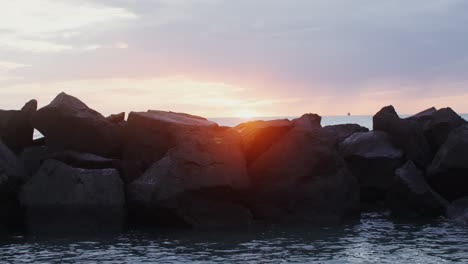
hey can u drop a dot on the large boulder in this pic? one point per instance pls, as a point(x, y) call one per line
point(258, 136)
point(458, 211)
point(198, 183)
point(411, 196)
point(372, 159)
point(302, 178)
point(405, 134)
point(338, 133)
point(60, 198)
point(308, 121)
point(16, 130)
point(68, 124)
point(149, 135)
point(448, 173)
point(12, 175)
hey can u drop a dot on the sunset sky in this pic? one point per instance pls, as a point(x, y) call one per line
point(220, 58)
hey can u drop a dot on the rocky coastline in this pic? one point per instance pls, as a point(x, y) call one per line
point(161, 169)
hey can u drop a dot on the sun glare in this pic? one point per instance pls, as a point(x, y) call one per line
point(246, 114)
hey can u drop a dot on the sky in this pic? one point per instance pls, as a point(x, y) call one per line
point(221, 58)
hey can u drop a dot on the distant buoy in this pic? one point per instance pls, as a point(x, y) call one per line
point(349, 114)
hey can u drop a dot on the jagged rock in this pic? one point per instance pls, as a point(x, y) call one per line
point(60, 198)
point(258, 136)
point(117, 118)
point(195, 183)
point(308, 121)
point(458, 211)
point(423, 116)
point(68, 124)
point(12, 175)
point(149, 135)
point(338, 133)
point(302, 178)
point(372, 159)
point(82, 160)
point(411, 196)
point(405, 134)
point(16, 130)
point(448, 173)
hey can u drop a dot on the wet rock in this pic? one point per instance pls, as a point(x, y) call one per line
point(16, 130)
point(372, 159)
point(149, 135)
point(68, 124)
point(448, 173)
point(258, 136)
point(405, 134)
point(302, 178)
point(411, 196)
point(338, 133)
point(60, 198)
point(195, 183)
point(458, 211)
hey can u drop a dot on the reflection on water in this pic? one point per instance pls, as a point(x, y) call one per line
point(374, 239)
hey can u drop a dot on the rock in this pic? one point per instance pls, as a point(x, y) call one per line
point(448, 173)
point(68, 124)
point(82, 160)
point(458, 211)
point(423, 116)
point(372, 159)
point(439, 124)
point(12, 175)
point(32, 158)
point(405, 134)
point(195, 183)
point(338, 133)
point(116, 118)
point(411, 196)
point(308, 121)
point(258, 136)
point(59, 198)
point(16, 130)
point(302, 178)
point(149, 135)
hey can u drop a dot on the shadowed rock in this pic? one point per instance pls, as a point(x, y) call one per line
point(411, 196)
point(32, 158)
point(423, 116)
point(405, 134)
point(195, 184)
point(302, 178)
point(448, 173)
point(338, 133)
point(308, 121)
point(59, 198)
point(458, 211)
point(372, 159)
point(258, 136)
point(16, 130)
point(68, 124)
point(117, 118)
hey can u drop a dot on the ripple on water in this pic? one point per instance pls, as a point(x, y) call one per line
point(375, 239)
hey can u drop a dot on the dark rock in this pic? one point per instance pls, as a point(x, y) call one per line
point(39, 141)
point(16, 130)
point(12, 175)
point(60, 198)
point(116, 118)
point(82, 160)
point(68, 124)
point(338, 133)
point(258, 136)
point(458, 211)
point(308, 121)
point(439, 124)
point(195, 183)
point(32, 158)
point(411, 196)
point(405, 134)
point(302, 178)
point(448, 173)
point(372, 159)
point(423, 116)
point(149, 135)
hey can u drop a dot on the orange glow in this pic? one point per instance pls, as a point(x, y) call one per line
point(247, 114)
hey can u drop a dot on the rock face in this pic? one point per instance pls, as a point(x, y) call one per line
point(149, 135)
point(12, 175)
point(404, 134)
point(68, 124)
point(308, 121)
point(117, 118)
point(198, 183)
point(16, 130)
point(59, 198)
point(302, 178)
point(448, 173)
point(372, 159)
point(258, 136)
point(338, 133)
point(411, 196)
point(458, 211)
